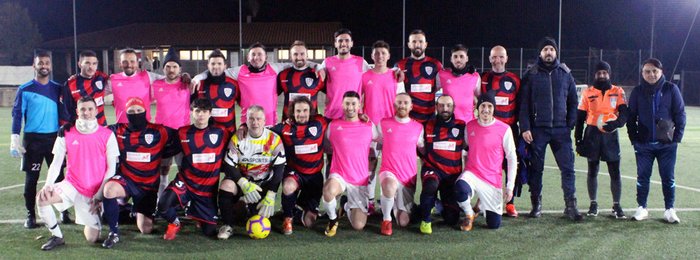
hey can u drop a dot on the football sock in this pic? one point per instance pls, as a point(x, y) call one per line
point(30, 181)
point(615, 181)
point(371, 185)
point(463, 193)
point(111, 214)
point(330, 208)
point(592, 180)
point(427, 198)
point(387, 206)
point(163, 184)
point(288, 203)
point(226, 207)
point(49, 217)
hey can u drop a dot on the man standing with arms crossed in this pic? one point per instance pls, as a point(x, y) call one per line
point(421, 75)
point(37, 103)
point(547, 115)
point(504, 85)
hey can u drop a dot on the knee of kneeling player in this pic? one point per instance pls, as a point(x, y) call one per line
point(110, 190)
point(493, 220)
point(462, 191)
point(289, 186)
point(430, 186)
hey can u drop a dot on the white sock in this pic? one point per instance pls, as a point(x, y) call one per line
point(466, 206)
point(387, 207)
point(371, 186)
point(330, 208)
point(163, 184)
point(49, 217)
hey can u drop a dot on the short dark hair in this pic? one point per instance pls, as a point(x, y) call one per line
point(42, 54)
point(299, 100)
point(298, 43)
point(342, 31)
point(380, 44)
point(351, 93)
point(256, 45)
point(654, 62)
point(417, 31)
point(87, 53)
point(216, 54)
point(127, 50)
point(459, 47)
point(201, 103)
point(85, 99)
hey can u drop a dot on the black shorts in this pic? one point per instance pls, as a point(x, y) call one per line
point(310, 187)
point(201, 208)
point(39, 149)
point(446, 184)
point(601, 146)
point(144, 198)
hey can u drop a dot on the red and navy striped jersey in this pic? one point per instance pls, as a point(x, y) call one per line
point(303, 144)
point(141, 153)
point(505, 87)
point(293, 83)
point(444, 143)
point(223, 96)
point(79, 87)
point(420, 77)
point(203, 151)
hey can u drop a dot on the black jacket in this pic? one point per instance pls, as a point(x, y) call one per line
point(548, 97)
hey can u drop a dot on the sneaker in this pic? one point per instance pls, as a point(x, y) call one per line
point(332, 228)
point(617, 212)
point(593, 209)
point(386, 228)
point(370, 208)
point(671, 217)
point(225, 232)
point(467, 223)
point(171, 232)
point(65, 218)
point(53, 242)
point(510, 210)
point(111, 240)
point(426, 227)
point(287, 226)
point(640, 214)
point(30, 223)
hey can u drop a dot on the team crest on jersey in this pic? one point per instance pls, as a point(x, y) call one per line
point(613, 102)
point(429, 70)
point(179, 184)
point(508, 85)
point(99, 86)
point(455, 132)
point(213, 138)
point(149, 138)
point(309, 82)
point(313, 130)
point(228, 92)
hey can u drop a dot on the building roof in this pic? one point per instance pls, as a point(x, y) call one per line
point(145, 35)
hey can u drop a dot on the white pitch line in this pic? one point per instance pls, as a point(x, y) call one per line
point(15, 186)
point(628, 210)
point(631, 178)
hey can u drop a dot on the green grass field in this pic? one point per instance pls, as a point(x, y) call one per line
point(551, 236)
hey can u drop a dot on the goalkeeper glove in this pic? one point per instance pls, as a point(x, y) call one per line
point(251, 191)
point(266, 207)
point(16, 148)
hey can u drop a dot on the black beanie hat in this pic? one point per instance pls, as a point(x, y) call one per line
point(547, 41)
point(602, 65)
point(486, 97)
point(172, 56)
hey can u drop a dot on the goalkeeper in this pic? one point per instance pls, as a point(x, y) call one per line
point(254, 167)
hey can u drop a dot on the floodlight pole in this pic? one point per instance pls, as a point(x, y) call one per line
point(403, 35)
point(240, 32)
point(75, 39)
point(559, 40)
point(653, 18)
point(685, 42)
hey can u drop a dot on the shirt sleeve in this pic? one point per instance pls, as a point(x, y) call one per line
point(280, 158)
point(280, 66)
point(376, 133)
point(421, 141)
point(152, 76)
point(511, 158)
point(112, 146)
point(400, 88)
point(365, 66)
point(17, 113)
point(233, 72)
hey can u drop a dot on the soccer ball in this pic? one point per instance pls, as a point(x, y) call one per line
point(603, 119)
point(258, 227)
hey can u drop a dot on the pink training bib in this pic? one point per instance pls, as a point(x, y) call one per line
point(461, 89)
point(259, 89)
point(125, 87)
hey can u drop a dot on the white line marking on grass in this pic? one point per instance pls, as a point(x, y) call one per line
point(599, 210)
point(631, 178)
point(15, 186)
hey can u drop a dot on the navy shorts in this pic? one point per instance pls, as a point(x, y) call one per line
point(144, 198)
point(198, 207)
point(310, 187)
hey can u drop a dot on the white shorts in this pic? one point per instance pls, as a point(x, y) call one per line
point(72, 198)
point(491, 198)
point(403, 199)
point(169, 161)
point(358, 196)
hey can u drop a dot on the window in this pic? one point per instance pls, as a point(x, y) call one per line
point(185, 55)
point(319, 54)
point(283, 54)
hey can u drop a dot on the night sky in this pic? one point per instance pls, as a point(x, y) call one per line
point(619, 24)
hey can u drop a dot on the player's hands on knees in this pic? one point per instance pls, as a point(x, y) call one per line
point(16, 148)
point(251, 191)
point(95, 206)
point(46, 192)
point(266, 207)
point(527, 136)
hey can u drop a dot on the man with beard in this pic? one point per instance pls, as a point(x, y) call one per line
point(37, 103)
point(421, 72)
point(603, 108)
point(221, 91)
point(462, 82)
point(299, 80)
point(442, 163)
point(547, 115)
point(89, 82)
